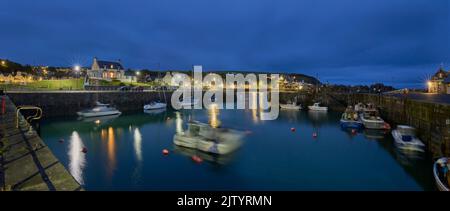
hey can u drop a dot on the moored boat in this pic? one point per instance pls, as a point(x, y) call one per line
point(349, 119)
point(155, 106)
point(100, 109)
point(317, 107)
point(405, 138)
point(291, 106)
point(372, 120)
point(441, 174)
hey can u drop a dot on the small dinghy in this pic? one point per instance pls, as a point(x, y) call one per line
point(441, 174)
point(100, 109)
point(406, 139)
point(317, 107)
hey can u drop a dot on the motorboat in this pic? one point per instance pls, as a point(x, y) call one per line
point(405, 138)
point(317, 107)
point(155, 106)
point(441, 174)
point(372, 120)
point(100, 109)
point(205, 138)
point(291, 106)
point(349, 119)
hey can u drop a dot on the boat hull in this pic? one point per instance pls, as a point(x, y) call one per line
point(314, 108)
point(441, 186)
point(351, 124)
point(97, 114)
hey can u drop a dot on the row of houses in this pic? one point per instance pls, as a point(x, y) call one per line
point(19, 77)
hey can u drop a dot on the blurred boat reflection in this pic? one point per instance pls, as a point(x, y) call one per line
point(212, 158)
point(155, 111)
point(374, 134)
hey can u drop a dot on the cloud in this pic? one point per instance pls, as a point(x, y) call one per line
point(330, 37)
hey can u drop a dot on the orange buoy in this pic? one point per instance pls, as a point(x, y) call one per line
point(293, 129)
point(314, 135)
point(165, 152)
point(84, 150)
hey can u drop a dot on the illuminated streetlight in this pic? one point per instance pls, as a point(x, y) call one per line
point(3, 62)
point(77, 68)
point(138, 73)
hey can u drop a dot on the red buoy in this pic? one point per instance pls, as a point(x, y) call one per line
point(293, 129)
point(84, 150)
point(196, 159)
point(314, 134)
point(353, 131)
point(165, 152)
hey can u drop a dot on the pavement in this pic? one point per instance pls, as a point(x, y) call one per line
point(26, 163)
point(426, 97)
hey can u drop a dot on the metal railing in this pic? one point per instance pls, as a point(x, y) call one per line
point(31, 118)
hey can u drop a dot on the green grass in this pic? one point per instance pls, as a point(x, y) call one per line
point(64, 84)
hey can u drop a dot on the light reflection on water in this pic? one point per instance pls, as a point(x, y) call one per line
point(271, 158)
point(77, 158)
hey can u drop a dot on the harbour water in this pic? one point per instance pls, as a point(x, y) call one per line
point(125, 153)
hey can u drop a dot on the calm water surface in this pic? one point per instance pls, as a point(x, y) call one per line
point(124, 153)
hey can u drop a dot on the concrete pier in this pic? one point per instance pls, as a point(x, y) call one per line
point(26, 163)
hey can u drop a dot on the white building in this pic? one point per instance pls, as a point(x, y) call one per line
point(106, 70)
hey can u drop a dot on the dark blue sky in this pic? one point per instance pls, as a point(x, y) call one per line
point(398, 42)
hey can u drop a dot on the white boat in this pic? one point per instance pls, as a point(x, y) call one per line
point(203, 137)
point(371, 120)
point(155, 106)
point(100, 109)
point(317, 107)
point(406, 139)
point(291, 106)
point(439, 176)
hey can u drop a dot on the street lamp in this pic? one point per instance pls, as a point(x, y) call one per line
point(3, 62)
point(77, 68)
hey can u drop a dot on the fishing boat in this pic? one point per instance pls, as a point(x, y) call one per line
point(372, 120)
point(441, 177)
point(349, 119)
point(155, 106)
point(100, 109)
point(317, 107)
point(205, 138)
point(291, 106)
point(406, 139)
